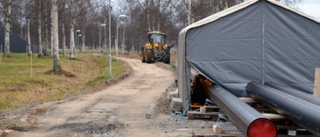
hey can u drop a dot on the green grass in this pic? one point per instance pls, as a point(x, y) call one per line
point(22, 82)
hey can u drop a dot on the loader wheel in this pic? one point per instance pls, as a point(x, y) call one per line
point(149, 56)
point(167, 58)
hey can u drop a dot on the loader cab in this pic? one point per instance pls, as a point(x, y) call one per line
point(156, 37)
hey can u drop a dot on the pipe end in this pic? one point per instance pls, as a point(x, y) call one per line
point(262, 127)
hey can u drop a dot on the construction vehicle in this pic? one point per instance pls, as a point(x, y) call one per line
point(156, 50)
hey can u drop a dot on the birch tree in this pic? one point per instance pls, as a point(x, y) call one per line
point(40, 52)
point(72, 11)
point(52, 31)
point(29, 37)
point(63, 32)
point(8, 5)
point(55, 30)
point(46, 27)
point(145, 7)
point(74, 8)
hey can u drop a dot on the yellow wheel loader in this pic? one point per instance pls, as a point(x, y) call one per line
point(156, 50)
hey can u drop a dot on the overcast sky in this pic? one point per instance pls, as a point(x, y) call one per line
point(311, 7)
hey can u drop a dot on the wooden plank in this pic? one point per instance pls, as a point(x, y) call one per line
point(272, 116)
point(211, 134)
point(247, 100)
point(199, 113)
point(316, 90)
point(211, 107)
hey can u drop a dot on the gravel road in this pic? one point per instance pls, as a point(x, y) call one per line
point(136, 106)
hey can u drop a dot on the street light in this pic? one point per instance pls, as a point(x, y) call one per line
point(79, 41)
point(77, 31)
point(110, 60)
point(117, 35)
point(123, 38)
point(101, 25)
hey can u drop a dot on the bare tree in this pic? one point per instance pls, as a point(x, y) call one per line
point(75, 8)
point(73, 11)
point(40, 52)
point(46, 27)
point(291, 3)
point(55, 30)
point(63, 32)
point(145, 7)
point(8, 5)
point(29, 38)
point(52, 30)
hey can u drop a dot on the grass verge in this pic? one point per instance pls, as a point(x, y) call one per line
point(24, 79)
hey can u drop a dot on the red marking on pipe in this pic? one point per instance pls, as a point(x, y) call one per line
point(262, 128)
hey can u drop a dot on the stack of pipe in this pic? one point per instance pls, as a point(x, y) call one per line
point(299, 107)
point(249, 121)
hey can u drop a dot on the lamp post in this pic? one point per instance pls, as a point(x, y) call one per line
point(77, 31)
point(79, 36)
point(110, 60)
point(123, 38)
point(101, 25)
point(117, 35)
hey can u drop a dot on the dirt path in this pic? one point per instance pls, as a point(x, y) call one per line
point(121, 109)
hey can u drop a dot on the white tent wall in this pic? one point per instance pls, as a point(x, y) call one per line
point(254, 41)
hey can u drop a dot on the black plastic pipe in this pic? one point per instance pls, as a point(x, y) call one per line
point(299, 111)
point(249, 121)
point(294, 92)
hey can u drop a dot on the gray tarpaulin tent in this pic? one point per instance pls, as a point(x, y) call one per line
point(258, 40)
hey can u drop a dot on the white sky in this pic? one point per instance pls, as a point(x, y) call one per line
point(310, 7)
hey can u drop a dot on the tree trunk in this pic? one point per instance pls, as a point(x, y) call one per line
point(159, 16)
point(29, 38)
point(223, 5)
point(7, 28)
point(153, 15)
point(147, 14)
point(46, 37)
point(72, 39)
point(189, 12)
point(39, 30)
point(55, 31)
point(51, 31)
point(63, 39)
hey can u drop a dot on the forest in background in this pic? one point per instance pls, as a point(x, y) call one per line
point(32, 20)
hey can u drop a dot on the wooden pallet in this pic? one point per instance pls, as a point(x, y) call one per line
point(201, 134)
point(198, 115)
point(212, 133)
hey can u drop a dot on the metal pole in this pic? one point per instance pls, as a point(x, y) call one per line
point(100, 39)
point(123, 39)
point(77, 37)
point(110, 60)
point(117, 36)
point(93, 39)
point(78, 41)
